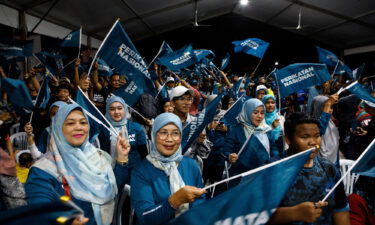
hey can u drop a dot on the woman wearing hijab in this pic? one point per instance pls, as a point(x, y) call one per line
point(274, 120)
point(322, 110)
point(166, 182)
point(117, 114)
point(251, 128)
point(72, 166)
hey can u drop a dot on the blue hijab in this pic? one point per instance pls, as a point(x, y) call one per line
point(160, 121)
point(89, 172)
point(245, 117)
point(124, 120)
point(270, 116)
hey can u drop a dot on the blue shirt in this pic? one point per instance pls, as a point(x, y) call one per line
point(150, 191)
point(312, 184)
point(41, 187)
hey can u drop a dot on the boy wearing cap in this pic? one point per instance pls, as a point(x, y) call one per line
point(181, 100)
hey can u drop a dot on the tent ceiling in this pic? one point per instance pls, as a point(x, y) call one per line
point(340, 23)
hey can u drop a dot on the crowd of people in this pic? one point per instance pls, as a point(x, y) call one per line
point(144, 148)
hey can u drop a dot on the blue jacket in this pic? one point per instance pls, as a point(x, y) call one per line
point(150, 191)
point(253, 156)
point(137, 138)
point(41, 187)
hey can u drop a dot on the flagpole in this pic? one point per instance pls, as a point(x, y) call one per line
point(157, 54)
point(97, 110)
point(229, 108)
point(101, 45)
point(113, 132)
point(256, 68)
point(80, 41)
point(160, 90)
point(32, 113)
point(136, 112)
point(333, 73)
point(347, 87)
point(259, 168)
point(349, 170)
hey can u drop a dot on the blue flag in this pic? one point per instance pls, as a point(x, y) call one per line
point(358, 72)
point(18, 94)
point(165, 49)
point(192, 131)
point(232, 113)
point(300, 76)
point(43, 95)
point(12, 48)
point(179, 59)
point(225, 61)
point(357, 89)
point(327, 57)
point(233, 92)
point(252, 201)
point(52, 61)
point(119, 52)
point(366, 163)
point(73, 39)
point(104, 69)
point(251, 46)
point(202, 54)
point(95, 127)
point(163, 93)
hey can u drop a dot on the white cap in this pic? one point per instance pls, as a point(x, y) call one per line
point(180, 91)
point(261, 87)
point(170, 79)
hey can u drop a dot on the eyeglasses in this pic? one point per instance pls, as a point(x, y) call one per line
point(163, 135)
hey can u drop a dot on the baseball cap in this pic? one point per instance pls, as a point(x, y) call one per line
point(180, 91)
point(170, 79)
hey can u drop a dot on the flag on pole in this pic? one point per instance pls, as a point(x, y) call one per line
point(357, 89)
point(164, 50)
point(179, 59)
point(251, 46)
point(299, 76)
point(118, 51)
point(330, 59)
point(43, 95)
point(192, 131)
point(366, 164)
point(104, 69)
point(358, 72)
point(202, 54)
point(233, 92)
point(73, 39)
point(12, 48)
point(230, 116)
point(225, 61)
point(18, 94)
point(252, 201)
point(53, 61)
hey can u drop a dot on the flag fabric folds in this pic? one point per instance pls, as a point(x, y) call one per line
point(179, 59)
point(202, 53)
point(43, 95)
point(164, 50)
point(299, 76)
point(251, 46)
point(330, 59)
point(11, 48)
point(357, 89)
point(225, 62)
point(366, 164)
point(73, 39)
point(18, 94)
point(119, 52)
point(192, 131)
point(232, 113)
point(252, 201)
point(104, 69)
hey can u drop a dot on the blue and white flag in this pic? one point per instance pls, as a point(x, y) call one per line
point(130, 92)
point(225, 61)
point(300, 76)
point(232, 113)
point(12, 48)
point(192, 131)
point(252, 201)
point(202, 54)
point(43, 95)
point(357, 89)
point(251, 46)
point(53, 61)
point(327, 57)
point(233, 92)
point(366, 163)
point(165, 49)
point(179, 59)
point(104, 69)
point(18, 94)
point(358, 72)
point(118, 51)
point(343, 69)
point(73, 39)
point(163, 93)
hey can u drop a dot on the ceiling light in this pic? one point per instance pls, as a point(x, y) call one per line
point(244, 2)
